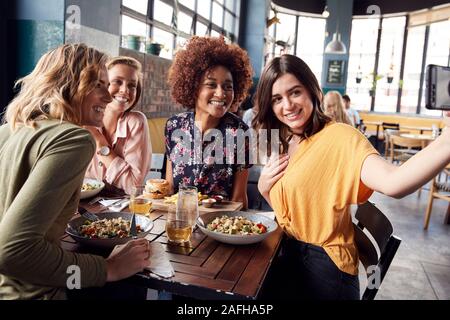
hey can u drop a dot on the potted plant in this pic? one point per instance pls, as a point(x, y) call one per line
point(134, 41)
point(154, 48)
point(375, 78)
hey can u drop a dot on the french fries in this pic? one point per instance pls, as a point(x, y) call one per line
point(174, 198)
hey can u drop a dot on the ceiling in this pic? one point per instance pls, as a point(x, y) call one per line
point(360, 6)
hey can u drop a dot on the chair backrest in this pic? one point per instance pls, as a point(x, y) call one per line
point(389, 125)
point(255, 199)
point(378, 251)
point(157, 166)
point(400, 141)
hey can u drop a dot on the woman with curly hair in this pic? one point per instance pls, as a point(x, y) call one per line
point(123, 145)
point(208, 77)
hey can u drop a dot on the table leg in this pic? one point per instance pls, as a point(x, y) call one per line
point(376, 140)
point(447, 216)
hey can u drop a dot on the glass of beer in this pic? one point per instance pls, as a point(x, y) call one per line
point(181, 219)
point(139, 203)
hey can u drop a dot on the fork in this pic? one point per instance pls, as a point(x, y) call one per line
point(88, 215)
point(133, 230)
point(119, 203)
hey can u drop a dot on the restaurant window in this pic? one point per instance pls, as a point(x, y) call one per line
point(165, 38)
point(437, 53)
point(310, 40)
point(137, 5)
point(214, 17)
point(204, 8)
point(188, 4)
point(362, 53)
point(217, 14)
point(162, 12)
point(389, 63)
point(285, 33)
point(412, 70)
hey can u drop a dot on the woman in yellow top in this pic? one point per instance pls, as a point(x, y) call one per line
point(325, 167)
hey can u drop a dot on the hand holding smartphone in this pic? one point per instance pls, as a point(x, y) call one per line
point(437, 92)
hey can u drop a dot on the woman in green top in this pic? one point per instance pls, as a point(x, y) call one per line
point(43, 157)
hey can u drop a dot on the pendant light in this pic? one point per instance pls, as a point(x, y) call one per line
point(336, 46)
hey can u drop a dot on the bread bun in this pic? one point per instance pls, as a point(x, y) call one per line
point(157, 188)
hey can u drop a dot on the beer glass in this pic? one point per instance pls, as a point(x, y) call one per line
point(181, 219)
point(139, 204)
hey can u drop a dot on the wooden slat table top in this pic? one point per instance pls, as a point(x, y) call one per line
point(205, 268)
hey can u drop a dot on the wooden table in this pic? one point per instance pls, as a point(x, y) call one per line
point(205, 268)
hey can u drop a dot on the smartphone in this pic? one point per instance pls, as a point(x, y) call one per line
point(437, 93)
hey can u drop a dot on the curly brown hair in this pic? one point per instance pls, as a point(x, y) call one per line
point(200, 55)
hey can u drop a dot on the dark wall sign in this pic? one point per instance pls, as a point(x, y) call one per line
point(335, 72)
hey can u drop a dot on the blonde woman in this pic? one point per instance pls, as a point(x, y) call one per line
point(123, 145)
point(43, 157)
point(334, 107)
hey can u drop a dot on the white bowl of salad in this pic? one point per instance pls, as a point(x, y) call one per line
point(91, 187)
point(236, 227)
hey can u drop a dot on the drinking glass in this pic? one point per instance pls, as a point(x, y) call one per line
point(181, 219)
point(178, 228)
point(139, 204)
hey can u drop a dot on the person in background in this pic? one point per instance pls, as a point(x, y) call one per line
point(209, 77)
point(334, 107)
point(352, 113)
point(123, 144)
point(325, 167)
point(248, 116)
point(44, 154)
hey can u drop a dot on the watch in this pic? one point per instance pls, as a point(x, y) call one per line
point(104, 151)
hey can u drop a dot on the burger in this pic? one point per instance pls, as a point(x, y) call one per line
point(157, 188)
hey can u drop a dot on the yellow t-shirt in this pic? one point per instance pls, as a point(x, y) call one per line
point(311, 201)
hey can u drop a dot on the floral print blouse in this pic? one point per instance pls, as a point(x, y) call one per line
point(209, 165)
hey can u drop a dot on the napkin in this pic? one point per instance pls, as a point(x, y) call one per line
point(109, 204)
point(158, 262)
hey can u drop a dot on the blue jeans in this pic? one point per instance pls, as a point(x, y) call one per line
point(305, 271)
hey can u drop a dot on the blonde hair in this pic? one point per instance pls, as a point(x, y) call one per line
point(338, 114)
point(55, 89)
point(136, 65)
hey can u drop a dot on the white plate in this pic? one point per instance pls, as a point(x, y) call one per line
point(206, 218)
point(73, 226)
point(90, 193)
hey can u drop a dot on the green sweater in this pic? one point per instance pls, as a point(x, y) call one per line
point(41, 172)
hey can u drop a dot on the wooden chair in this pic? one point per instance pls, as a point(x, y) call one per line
point(372, 222)
point(439, 190)
point(405, 150)
point(387, 144)
point(383, 135)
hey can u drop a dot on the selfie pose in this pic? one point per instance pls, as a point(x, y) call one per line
point(324, 168)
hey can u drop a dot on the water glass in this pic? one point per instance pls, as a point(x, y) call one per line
point(139, 203)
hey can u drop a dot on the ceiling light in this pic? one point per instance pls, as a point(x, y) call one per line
point(325, 12)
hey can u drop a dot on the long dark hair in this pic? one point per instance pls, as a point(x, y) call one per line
point(266, 118)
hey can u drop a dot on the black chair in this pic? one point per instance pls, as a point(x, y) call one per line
point(255, 199)
point(157, 168)
point(373, 222)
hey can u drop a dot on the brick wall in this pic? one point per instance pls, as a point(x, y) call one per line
point(156, 101)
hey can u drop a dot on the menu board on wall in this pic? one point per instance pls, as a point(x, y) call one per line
point(335, 72)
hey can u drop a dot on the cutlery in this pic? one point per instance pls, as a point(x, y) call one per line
point(118, 203)
point(88, 215)
point(133, 230)
point(95, 200)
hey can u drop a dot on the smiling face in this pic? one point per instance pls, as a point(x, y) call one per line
point(216, 92)
point(94, 104)
point(123, 85)
point(291, 102)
